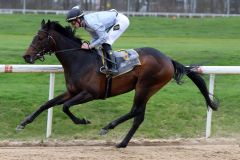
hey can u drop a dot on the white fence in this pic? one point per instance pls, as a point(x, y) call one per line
point(52, 69)
point(160, 14)
point(212, 71)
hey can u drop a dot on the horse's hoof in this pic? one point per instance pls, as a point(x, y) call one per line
point(103, 132)
point(81, 121)
point(85, 121)
point(19, 128)
point(121, 145)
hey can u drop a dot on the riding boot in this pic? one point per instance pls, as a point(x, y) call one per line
point(112, 66)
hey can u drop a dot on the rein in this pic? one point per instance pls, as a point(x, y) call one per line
point(75, 49)
point(40, 54)
point(67, 50)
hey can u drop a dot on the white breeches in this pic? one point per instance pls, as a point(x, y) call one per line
point(114, 34)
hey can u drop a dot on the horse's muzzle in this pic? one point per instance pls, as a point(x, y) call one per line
point(28, 59)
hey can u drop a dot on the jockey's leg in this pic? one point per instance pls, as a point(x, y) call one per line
point(122, 23)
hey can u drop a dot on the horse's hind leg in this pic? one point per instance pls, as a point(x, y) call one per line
point(143, 93)
point(120, 120)
point(80, 98)
point(53, 102)
point(137, 111)
point(136, 123)
point(140, 100)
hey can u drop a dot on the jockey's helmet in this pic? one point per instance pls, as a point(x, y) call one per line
point(74, 13)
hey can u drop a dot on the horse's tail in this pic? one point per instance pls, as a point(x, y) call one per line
point(180, 70)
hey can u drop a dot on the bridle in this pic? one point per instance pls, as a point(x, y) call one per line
point(40, 53)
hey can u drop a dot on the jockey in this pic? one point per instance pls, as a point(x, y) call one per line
point(105, 27)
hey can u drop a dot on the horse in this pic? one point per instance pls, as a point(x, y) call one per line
point(85, 83)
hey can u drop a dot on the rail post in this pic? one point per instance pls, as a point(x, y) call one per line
point(50, 110)
point(209, 111)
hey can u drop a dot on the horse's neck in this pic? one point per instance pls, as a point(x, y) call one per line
point(78, 57)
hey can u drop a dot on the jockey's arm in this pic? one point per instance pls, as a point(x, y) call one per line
point(100, 36)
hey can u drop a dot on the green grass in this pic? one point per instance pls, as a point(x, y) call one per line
point(175, 111)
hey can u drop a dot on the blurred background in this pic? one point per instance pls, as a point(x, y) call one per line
point(140, 6)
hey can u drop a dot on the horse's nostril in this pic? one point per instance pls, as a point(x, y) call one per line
point(26, 57)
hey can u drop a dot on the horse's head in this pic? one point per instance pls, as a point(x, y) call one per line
point(42, 43)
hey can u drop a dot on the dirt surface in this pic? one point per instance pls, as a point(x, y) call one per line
point(178, 149)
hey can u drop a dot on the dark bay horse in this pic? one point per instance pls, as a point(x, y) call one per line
point(84, 83)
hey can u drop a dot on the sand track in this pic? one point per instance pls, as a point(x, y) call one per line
point(178, 149)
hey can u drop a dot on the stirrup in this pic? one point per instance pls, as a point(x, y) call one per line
point(108, 71)
point(112, 71)
point(103, 69)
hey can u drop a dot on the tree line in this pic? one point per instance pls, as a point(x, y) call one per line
point(181, 6)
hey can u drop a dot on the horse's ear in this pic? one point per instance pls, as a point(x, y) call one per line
point(48, 23)
point(43, 22)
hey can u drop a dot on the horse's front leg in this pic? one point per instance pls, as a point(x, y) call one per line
point(80, 98)
point(53, 102)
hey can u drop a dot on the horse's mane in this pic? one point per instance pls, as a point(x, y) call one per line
point(66, 31)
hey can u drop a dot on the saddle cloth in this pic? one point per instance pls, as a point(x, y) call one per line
point(126, 60)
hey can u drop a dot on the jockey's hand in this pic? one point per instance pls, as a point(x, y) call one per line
point(85, 46)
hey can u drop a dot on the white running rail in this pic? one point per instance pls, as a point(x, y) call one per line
point(52, 69)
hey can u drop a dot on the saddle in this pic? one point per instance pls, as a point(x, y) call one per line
point(125, 61)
